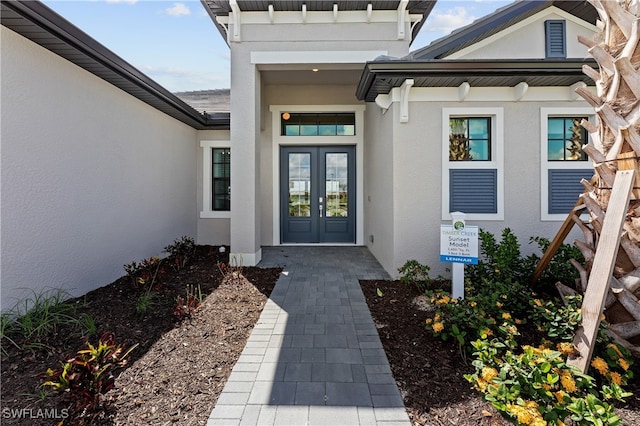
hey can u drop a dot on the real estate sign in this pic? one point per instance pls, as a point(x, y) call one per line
point(459, 244)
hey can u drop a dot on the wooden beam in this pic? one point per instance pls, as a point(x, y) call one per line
point(603, 263)
point(557, 241)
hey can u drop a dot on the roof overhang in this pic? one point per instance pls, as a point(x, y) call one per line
point(217, 8)
point(379, 77)
point(40, 24)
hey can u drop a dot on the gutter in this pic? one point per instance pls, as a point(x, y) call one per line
point(58, 27)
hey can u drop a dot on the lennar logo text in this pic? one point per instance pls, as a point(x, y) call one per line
point(32, 413)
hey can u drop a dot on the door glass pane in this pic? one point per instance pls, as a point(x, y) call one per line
point(336, 182)
point(300, 184)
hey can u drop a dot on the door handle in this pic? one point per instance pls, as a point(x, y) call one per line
point(320, 205)
point(320, 208)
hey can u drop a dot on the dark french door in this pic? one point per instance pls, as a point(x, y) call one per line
point(317, 194)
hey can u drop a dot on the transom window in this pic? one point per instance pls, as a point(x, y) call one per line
point(221, 179)
point(317, 124)
point(469, 139)
point(565, 137)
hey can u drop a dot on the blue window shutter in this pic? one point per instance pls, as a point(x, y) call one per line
point(555, 39)
point(473, 190)
point(565, 187)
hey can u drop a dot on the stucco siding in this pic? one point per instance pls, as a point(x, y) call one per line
point(417, 185)
point(379, 185)
point(92, 178)
point(528, 41)
point(417, 175)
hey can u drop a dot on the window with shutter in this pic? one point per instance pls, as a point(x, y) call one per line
point(563, 164)
point(473, 162)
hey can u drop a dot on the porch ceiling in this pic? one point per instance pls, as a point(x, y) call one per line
point(223, 7)
point(382, 76)
point(305, 76)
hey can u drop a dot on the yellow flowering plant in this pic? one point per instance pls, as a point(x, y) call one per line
point(535, 386)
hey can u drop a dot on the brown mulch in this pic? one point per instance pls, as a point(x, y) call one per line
point(429, 372)
point(177, 371)
point(179, 367)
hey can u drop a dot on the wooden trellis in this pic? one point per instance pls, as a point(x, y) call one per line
point(610, 275)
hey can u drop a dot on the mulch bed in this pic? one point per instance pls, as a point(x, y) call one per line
point(177, 371)
point(429, 372)
point(179, 367)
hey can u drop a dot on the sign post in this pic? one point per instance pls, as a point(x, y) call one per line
point(458, 245)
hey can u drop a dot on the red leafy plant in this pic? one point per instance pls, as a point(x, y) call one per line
point(90, 373)
point(186, 306)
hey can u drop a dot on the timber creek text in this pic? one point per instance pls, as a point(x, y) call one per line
point(462, 233)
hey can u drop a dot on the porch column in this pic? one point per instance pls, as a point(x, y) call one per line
point(245, 163)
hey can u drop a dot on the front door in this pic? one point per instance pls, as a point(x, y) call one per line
point(317, 194)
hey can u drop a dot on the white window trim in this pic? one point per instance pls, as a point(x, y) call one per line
point(207, 212)
point(497, 158)
point(278, 140)
point(545, 164)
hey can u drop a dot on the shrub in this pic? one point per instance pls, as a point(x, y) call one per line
point(500, 260)
point(527, 384)
point(559, 268)
point(180, 251)
point(90, 373)
point(144, 272)
point(186, 306)
point(537, 386)
point(415, 273)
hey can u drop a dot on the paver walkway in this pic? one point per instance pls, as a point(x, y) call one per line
point(314, 357)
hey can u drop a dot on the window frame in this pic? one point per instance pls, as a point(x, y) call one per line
point(546, 164)
point(207, 211)
point(496, 115)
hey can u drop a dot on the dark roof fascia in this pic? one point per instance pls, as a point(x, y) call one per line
point(451, 42)
point(478, 68)
point(222, 8)
point(114, 68)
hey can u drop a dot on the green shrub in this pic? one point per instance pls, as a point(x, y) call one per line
point(536, 386)
point(559, 268)
point(415, 273)
point(180, 251)
point(527, 384)
point(144, 272)
point(500, 260)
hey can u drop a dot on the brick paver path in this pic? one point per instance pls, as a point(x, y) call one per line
point(314, 357)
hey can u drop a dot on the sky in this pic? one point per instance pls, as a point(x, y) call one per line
point(176, 43)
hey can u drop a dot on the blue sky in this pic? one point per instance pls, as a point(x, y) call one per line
point(176, 44)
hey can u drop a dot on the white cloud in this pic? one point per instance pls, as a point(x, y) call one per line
point(184, 79)
point(448, 20)
point(178, 9)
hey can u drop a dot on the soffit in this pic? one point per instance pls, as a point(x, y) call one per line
point(43, 26)
point(223, 7)
point(380, 77)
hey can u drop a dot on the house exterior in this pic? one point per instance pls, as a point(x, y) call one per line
point(337, 134)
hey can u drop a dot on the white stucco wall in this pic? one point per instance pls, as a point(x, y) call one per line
point(379, 173)
point(92, 178)
point(416, 160)
point(526, 40)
